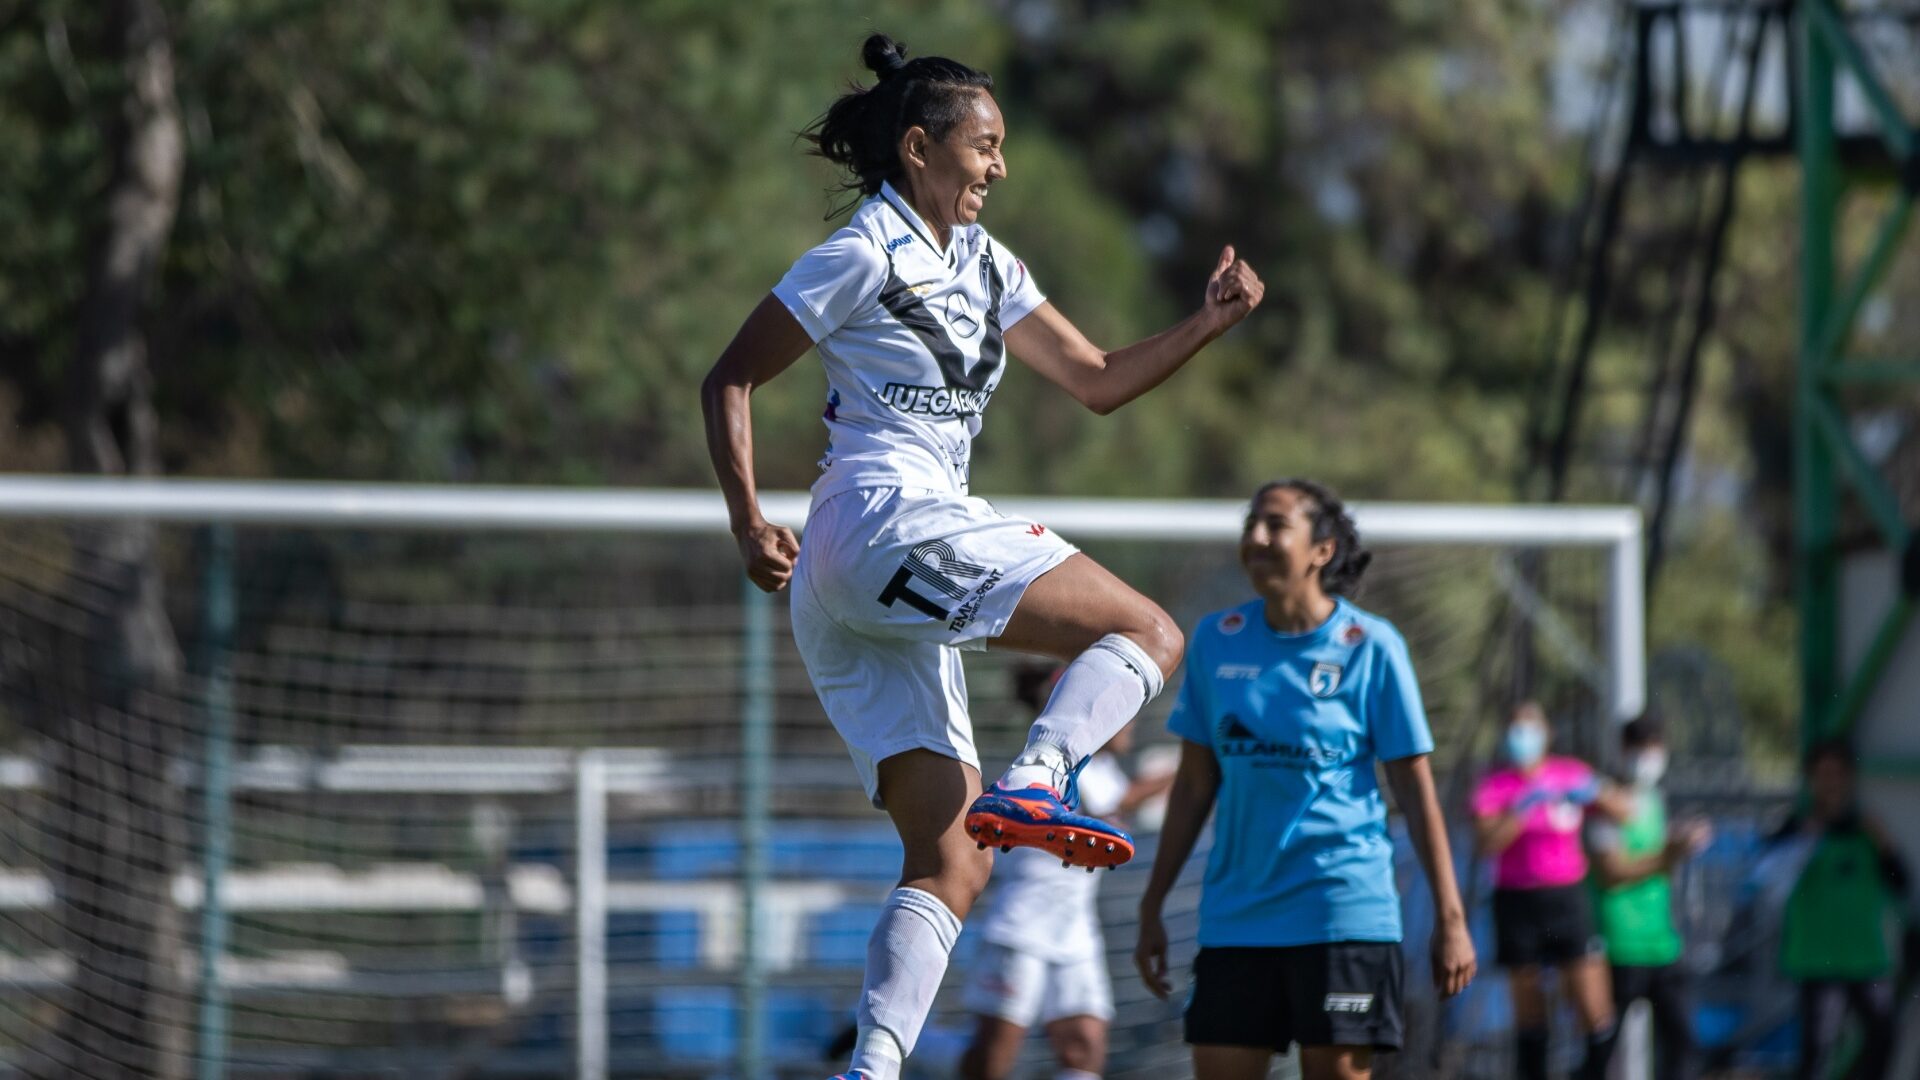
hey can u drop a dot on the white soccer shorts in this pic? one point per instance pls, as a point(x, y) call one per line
point(1025, 989)
point(890, 585)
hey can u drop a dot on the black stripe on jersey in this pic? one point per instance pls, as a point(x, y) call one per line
point(991, 350)
point(912, 314)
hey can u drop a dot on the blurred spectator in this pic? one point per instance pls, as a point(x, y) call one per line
point(1529, 814)
point(1847, 882)
point(1632, 860)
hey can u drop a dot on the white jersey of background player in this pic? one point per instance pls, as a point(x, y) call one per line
point(1043, 961)
point(913, 310)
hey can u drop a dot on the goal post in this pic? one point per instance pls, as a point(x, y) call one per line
point(585, 765)
point(1616, 530)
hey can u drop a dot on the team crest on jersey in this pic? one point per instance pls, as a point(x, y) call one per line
point(1233, 623)
point(1353, 634)
point(1324, 679)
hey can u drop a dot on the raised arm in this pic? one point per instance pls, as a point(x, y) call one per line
point(1103, 381)
point(1454, 962)
point(767, 344)
point(1195, 784)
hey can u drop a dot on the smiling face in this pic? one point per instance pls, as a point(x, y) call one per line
point(1277, 548)
point(947, 179)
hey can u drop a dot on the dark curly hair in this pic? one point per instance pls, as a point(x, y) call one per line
point(1341, 575)
point(860, 131)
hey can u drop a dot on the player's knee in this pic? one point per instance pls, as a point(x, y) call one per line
point(957, 878)
point(1160, 637)
point(1076, 1046)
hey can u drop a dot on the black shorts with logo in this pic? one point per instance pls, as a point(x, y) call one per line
point(1345, 993)
point(1533, 927)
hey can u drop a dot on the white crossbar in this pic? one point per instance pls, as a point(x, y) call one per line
point(420, 506)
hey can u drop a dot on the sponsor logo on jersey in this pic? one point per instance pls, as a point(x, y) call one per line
point(1036, 530)
point(1354, 634)
point(934, 400)
point(1237, 740)
point(1232, 728)
point(1237, 671)
point(960, 316)
point(899, 242)
point(1233, 623)
point(1349, 1003)
point(1324, 679)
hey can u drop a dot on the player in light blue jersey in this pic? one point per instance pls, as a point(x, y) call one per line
point(1289, 700)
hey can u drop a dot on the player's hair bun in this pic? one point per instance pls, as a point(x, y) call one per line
point(883, 55)
point(860, 131)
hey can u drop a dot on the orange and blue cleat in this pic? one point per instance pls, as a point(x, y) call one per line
point(1038, 817)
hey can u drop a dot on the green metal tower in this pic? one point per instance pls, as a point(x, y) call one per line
point(1827, 459)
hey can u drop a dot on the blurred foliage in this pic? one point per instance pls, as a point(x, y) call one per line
point(502, 240)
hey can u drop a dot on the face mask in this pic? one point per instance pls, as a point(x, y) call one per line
point(1526, 744)
point(1647, 767)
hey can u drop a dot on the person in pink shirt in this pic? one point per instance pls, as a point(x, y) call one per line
point(1530, 815)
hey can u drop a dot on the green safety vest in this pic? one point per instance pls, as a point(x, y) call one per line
point(1835, 923)
point(1637, 919)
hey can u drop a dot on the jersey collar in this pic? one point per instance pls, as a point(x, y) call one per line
point(1304, 637)
point(901, 207)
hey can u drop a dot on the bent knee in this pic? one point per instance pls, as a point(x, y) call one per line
point(957, 878)
point(1159, 637)
point(1076, 1047)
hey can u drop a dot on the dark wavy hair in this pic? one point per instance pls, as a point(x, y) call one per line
point(860, 131)
point(1341, 575)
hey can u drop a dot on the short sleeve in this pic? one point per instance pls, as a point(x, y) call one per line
point(828, 284)
point(1189, 716)
point(1021, 295)
point(1397, 717)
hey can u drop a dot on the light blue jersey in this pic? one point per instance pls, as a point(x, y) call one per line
point(1300, 848)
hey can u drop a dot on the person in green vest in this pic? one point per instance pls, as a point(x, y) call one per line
point(1834, 931)
point(1633, 861)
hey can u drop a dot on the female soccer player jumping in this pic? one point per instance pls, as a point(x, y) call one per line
point(913, 307)
point(1288, 701)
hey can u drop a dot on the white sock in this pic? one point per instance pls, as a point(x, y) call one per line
point(906, 958)
point(1102, 689)
point(877, 1055)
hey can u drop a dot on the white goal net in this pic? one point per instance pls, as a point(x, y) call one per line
point(311, 780)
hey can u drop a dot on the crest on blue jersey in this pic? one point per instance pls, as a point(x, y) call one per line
point(1324, 679)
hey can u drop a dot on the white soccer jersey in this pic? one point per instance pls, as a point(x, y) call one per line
point(910, 336)
point(1045, 909)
